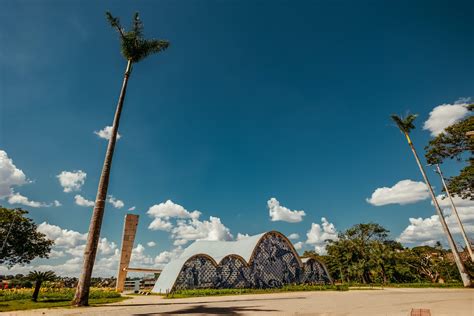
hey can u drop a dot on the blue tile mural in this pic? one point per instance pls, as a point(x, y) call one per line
point(273, 264)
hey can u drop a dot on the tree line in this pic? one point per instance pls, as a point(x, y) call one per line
point(365, 254)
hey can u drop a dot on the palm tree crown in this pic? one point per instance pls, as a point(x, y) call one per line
point(41, 276)
point(134, 47)
point(405, 124)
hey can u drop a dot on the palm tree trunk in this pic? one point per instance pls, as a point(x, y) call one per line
point(455, 212)
point(81, 297)
point(462, 270)
point(34, 298)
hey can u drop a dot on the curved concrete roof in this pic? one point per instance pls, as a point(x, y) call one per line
point(217, 250)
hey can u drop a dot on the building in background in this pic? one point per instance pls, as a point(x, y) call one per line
point(266, 260)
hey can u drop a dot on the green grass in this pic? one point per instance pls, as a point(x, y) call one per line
point(287, 288)
point(20, 299)
point(23, 304)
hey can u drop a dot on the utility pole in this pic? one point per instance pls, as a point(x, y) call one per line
point(455, 212)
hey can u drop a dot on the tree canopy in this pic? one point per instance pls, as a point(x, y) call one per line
point(405, 124)
point(365, 254)
point(454, 143)
point(20, 241)
point(133, 46)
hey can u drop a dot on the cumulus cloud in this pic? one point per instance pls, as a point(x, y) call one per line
point(166, 256)
point(293, 236)
point(151, 244)
point(298, 245)
point(445, 115)
point(163, 212)
point(63, 238)
point(115, 202)
point(195, 229)
point(10, 175)
point(106, 133)
point(242, 236)
point(319, 234)
point(187, 226)
point(280, 213)
point(68, 250)
point(160, 224)
point(404, 192)
point(427, 231)
point(72, 180)
point(133, 208)
point(169, 209)
point(17, 198)
point(81, 201)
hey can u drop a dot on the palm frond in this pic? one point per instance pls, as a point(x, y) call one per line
point(133, 46)
point(404, 124)
point(114, 22)
point(137, 25)
point(41, 275)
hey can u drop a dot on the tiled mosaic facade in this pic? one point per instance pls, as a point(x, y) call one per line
point(273, 264)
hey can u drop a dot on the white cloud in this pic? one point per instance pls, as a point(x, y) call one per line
point(133, 208)
point(427, 231)
point(72, 180)
point(160, 224)
point(115, 202)
point(81, 201)
point(242, 236)
point(69, 248)
point(63, 238)
point(280, 213)
point(169, 209)
point(445, 115)
point(57, 203)
point(194, 229)
point(17, 198)
point(151, 244)
point(187, 226)
point(298, 245)
point(293, 236)
point(163, 257)
point(319, 234)
point(139, 257)
point(163, 212)
point(166, 256)
point(404, 192)
point(10, 175)
point(106, 133)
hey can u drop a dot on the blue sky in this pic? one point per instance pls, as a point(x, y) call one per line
point(251, 101)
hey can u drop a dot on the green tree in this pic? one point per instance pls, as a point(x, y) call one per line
point(361, 254)
point(406, 126)
point(20, 241)
point(39, 277)
point(454, 143)
point(134, 48)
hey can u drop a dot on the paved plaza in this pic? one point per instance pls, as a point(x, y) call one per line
point(450, 302)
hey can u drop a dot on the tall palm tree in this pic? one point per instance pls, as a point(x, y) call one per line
point(134, 48)
point(455, 213)
point(39, 277)
point(406, 125)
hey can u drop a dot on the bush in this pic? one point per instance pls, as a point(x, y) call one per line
point(286, 288)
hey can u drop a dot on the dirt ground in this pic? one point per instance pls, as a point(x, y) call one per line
point(450, 302)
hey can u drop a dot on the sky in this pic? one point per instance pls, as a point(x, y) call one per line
point(261, 115)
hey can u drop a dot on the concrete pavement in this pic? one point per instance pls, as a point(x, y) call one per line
point(392, 301)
